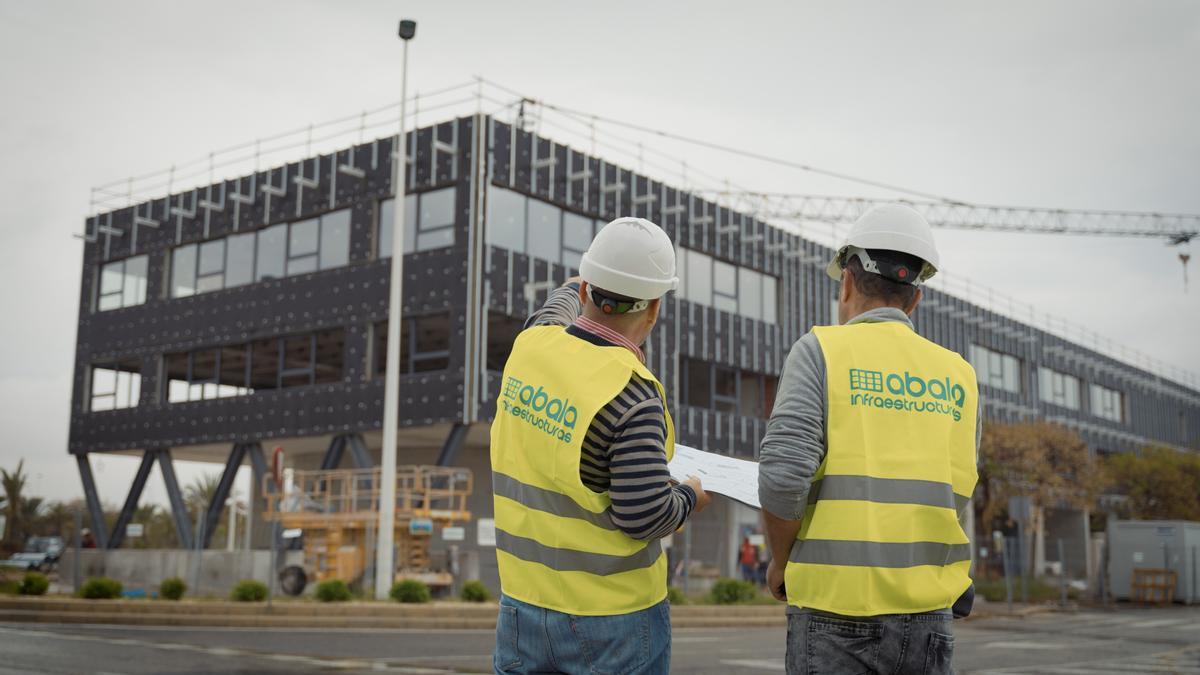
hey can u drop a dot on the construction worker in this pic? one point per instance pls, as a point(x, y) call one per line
point(866, 468)
point(579, 449)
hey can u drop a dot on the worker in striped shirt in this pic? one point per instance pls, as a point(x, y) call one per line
point(580, 448)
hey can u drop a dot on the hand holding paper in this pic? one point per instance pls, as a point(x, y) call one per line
point(734, 478)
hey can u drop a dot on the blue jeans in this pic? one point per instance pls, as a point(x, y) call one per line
point(916, 644)
point(532, 639)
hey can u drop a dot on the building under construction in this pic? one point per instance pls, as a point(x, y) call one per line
point(218, 323)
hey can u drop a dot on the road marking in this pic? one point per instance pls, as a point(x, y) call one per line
point(1024, 644)
point(1158, 622)
point(758, 664)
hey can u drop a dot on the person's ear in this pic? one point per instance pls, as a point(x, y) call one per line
point(847, 283)
point(583, 293)
point(652, 310)
point(912, 306)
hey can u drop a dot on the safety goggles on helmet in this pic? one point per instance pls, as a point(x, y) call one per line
point(887, 268)
point(613, 304)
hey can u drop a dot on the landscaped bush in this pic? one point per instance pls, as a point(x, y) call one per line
point(410, 590)
point(333, 590)
point(9, 587)
point(172, 588)
point(475, 591)
point(675, 596)
point(249, 590)
point(100, 588)
point(34, 583)
point(733, 591)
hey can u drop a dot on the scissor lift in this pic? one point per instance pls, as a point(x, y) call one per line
point(338, 511)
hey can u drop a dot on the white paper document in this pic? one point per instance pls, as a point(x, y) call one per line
point(734, 478)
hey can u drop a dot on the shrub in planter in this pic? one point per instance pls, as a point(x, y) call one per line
point(101, 588)
point(675, 596)
point(34, 583)
point(249, 590)
point(733, 591)
point(475, 591)
point(410, 590)
point(172, 588)
point(333, 590)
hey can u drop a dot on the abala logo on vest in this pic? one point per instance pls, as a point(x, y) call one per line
point(909, 393)
point(554, 416)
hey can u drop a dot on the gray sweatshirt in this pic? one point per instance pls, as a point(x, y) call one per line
point(794, 444)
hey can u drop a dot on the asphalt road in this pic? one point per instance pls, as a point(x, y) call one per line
point(1123, 641)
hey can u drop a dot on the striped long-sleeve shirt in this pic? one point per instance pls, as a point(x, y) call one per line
point(624, 450)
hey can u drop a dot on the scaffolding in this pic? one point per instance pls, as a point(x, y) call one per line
point(337, 512)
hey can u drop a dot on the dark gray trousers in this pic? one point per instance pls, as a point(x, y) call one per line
point(894, 644)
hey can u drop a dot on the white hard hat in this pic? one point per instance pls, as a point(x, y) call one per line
point(890, 227)
point(632, 257)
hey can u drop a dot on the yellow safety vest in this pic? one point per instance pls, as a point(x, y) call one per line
point(881, 534)
point(556, 544)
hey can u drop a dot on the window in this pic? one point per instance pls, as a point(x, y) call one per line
point(1107, 403)
point(542, 230)
point(502, 331)
point(727, 390)
point(242, 369)
point(506, 219)
point(271, 253)
point(424, 344)
point(122, 284)
point(115, 385)
point(996, 369)
point(271, 246)
point(428, 222)
point(578, 232)
point(730, 288)
point(239, 259)
point(1058, 388)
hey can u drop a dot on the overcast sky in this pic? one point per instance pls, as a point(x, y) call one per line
point(1068, 104)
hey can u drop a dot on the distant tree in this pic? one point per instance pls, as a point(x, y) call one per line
point(1046, 463)
point(13, 485)
point(1161, 483)
point(199, 494)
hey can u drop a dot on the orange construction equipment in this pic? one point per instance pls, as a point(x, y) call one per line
point(338, 511)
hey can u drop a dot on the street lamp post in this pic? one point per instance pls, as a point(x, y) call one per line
point(385, 564)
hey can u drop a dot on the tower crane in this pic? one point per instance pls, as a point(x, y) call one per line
point(1173, 228)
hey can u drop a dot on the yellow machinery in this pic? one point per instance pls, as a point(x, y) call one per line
point(338, 511)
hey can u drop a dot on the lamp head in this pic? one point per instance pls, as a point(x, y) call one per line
point(408, 29)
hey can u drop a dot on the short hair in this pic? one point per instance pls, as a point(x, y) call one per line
point(875, 286)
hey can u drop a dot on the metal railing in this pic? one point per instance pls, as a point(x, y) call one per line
point(434, 492)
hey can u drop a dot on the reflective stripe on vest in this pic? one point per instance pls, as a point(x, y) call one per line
point(556, 544)
point(881, 534)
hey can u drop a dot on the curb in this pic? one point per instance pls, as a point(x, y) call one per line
point(436, 616)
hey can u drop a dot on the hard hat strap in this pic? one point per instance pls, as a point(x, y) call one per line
point(609, 305)
point(888, 269)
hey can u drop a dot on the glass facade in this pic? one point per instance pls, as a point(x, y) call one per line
point(122, 283)
point(115, 386)
point(730, 288)
point(1058, 388)
point(1107, 403)
point(726, 389)
point(424, 344)
point(428, 222)
point(274, 252)
point(524, 225)
point(996, 369)
point(265, 364)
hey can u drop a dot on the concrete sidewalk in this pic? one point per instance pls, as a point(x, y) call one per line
point(295, 614)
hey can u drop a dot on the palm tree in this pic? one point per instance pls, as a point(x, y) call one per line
point(13, 484)
point(200, 493)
